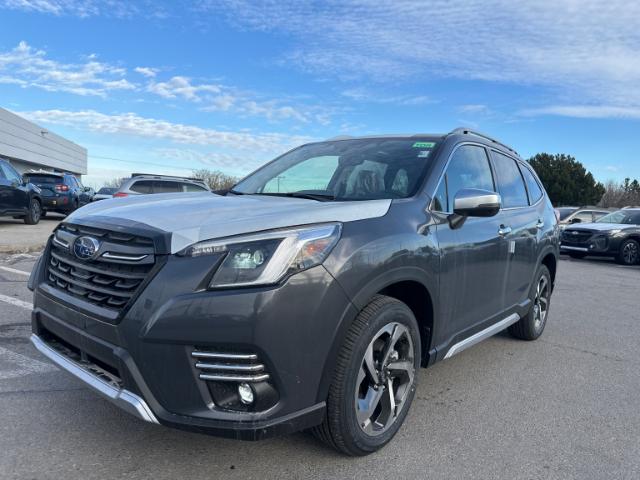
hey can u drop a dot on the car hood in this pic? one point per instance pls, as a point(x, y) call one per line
point(194, 217)
point(601, 227)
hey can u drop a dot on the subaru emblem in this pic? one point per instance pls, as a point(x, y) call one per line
point(85, 248)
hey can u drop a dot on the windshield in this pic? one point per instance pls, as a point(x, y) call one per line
point(40, 179)
point(622, 216)
point(361, 169)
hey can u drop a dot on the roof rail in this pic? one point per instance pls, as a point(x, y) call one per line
point(468, 131)
point(193, 179)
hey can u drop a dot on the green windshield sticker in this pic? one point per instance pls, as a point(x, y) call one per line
point(424, 145)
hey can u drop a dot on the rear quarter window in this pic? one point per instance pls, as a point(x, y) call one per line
point(533, 187)
point(142, 186)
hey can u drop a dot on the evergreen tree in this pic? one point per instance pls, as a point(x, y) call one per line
point(566, 180)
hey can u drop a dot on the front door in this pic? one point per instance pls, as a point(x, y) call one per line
point(472, 256)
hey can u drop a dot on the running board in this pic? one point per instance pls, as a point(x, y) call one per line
point(482, 335)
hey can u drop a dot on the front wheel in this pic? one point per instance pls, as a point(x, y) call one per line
point(375, 379)
point(35, 210)
point(629, 253)
point(531, 326)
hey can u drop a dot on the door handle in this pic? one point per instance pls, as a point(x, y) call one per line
point(540, 224)
point(502, 231)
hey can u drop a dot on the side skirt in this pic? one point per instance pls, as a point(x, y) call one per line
point(482, 335)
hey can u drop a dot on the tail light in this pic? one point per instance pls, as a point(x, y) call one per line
point(120, 195)
point(62, 188)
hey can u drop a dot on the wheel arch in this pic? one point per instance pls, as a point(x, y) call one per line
point(406, 285)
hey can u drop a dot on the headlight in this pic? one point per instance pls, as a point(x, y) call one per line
point(265, 258)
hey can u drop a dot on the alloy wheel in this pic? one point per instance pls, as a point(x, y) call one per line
point(630, 253)
point(541, 303)
point(385, 379)
point(35, 210)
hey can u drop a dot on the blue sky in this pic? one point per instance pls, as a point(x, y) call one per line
point(168, 87)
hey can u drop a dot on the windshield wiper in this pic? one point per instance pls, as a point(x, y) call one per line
point(320, 197)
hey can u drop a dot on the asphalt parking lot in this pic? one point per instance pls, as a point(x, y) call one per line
point(565, 406)
point(15, 236)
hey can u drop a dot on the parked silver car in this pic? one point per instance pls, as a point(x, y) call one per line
point(142, 184)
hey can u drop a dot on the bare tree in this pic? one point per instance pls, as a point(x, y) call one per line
point(621, 194)
point(115, 182)
point(215, 179)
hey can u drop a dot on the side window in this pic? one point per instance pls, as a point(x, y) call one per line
point(510, 182)
point(535, 192)
point(598, 215)
point(143, 186)
point(468, 168)
point(440, 203)
point(160, 186)
point(584, 217)
point(192, 187)
point(9, 173)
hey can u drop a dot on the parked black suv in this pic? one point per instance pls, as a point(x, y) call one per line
point(615, 235)
point(18, 198)
point(61, 192)
point(309, 295)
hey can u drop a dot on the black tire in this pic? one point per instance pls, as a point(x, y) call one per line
point(341, 428)
point(577, 255)
point(35, 210)
point(531, 326)
point(629, 252)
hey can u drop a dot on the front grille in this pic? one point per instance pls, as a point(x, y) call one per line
point(112, 278)
point(229, 367)
point(576, 236)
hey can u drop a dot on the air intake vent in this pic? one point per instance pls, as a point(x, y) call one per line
point(229, 367)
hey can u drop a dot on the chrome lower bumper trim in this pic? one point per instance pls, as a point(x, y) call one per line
point(124, 399)
point(576, 249)
point(481, 335)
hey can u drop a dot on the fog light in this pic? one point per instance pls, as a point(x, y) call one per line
point(246, 393)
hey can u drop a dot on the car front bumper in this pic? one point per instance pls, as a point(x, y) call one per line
point(144, 362)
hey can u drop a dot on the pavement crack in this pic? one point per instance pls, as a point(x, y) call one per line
point(582, 350)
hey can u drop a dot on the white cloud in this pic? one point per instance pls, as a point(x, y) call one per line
point(587, 111)
point(77, 8)
point(28, 67)
point(362, 94)
point(228, 162)
point(146, 71)
point(182, 87)
point(580, 50)
point(131, 124)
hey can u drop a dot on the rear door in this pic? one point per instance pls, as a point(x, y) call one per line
point(522, 223)
point(472, 257)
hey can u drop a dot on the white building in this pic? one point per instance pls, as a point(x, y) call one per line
point(28, 146)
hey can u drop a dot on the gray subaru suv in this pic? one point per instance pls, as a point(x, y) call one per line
point(306, 297)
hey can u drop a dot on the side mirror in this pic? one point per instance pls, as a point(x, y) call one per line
point(576, 220)
point(472, 202)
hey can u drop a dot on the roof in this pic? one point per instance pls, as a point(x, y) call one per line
point(456, 131)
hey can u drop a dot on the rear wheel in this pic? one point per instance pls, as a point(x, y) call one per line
point(531, 326)
point(375, 379)
point(629, 253)
point(35, 210)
